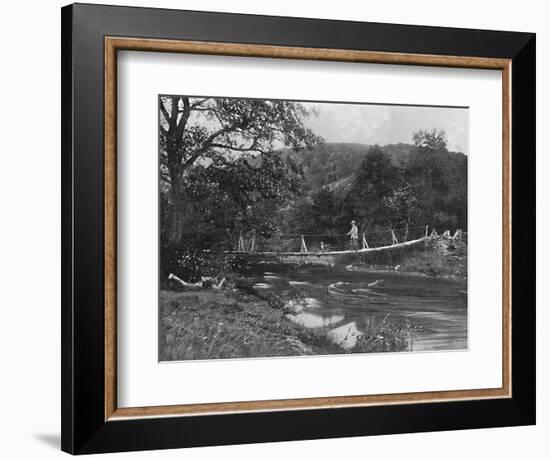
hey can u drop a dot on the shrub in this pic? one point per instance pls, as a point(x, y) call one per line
point(383, 336)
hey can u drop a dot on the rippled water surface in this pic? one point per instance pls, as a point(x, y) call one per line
point(344, 301)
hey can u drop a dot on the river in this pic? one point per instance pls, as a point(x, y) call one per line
point(344, 301)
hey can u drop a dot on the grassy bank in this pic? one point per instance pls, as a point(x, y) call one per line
point(446, 259)
point(215, 324)
point(209, 324)
point(437, 265)
point(440, 258)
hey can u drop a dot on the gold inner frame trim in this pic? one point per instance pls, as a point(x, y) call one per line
point(114, 44)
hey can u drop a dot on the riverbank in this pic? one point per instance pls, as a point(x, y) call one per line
point(209, 324)
point(442, 258)
point(437, 265)
point(266, 309)
point(232, 323)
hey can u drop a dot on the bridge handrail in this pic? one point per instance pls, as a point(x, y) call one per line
point(329, 234)
point(329, 242)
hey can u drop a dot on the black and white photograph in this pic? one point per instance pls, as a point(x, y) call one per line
point(265, 229)
point(291, 228)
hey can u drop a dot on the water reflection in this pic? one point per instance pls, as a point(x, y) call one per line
point(312, 320)
point(328, 297)
point(261, 286)
point(345, 336)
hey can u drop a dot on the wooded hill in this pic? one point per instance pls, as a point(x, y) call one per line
point(397, 185)
point(334, 164)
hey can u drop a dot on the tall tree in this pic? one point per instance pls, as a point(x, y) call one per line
point(427, 171)
point(201, 130)
point(430, 140)
point(403, 208)
point(375, 180)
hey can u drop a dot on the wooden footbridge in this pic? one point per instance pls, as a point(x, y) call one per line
point(326, 250)
point(364, 249)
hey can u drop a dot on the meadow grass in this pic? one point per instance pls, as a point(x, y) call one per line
point(208, 324)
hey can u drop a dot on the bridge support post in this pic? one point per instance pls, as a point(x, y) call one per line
point(303, 247)
point(426, 234)
point(365, 244)
point(394, 240)
point(253, 242)
point(240, 243)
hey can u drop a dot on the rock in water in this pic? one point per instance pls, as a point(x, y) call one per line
point(345, 336)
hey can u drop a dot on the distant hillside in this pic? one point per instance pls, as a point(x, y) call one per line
point(333, 164)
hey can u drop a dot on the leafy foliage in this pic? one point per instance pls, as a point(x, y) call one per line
point(251, 167)
point(374, 182)
point(391, 186)
point(209, 146)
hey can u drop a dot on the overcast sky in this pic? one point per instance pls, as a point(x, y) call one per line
point(383, 124)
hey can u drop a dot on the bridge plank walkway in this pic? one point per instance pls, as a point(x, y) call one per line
point(332, 253)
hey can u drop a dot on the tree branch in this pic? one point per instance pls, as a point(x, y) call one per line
point(199, 103)
point(208, 144)
point(164, 112)
point(185, 113)
point(239, 148)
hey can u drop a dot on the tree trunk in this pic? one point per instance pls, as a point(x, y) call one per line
point(178, 216)
point(178, 204)
point(176, 223)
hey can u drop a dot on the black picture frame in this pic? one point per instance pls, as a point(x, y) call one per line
point(84, 428)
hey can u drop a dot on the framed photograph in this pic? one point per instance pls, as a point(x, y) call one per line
point(281, 228)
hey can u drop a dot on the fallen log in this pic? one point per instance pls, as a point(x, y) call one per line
point(210, 281)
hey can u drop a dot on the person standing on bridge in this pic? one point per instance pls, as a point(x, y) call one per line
point(354, 236)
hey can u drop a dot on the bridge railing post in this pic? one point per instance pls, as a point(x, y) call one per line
point(240, 243)
point(303, 247)
point(252, 247)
